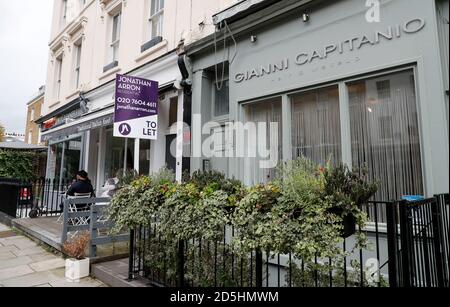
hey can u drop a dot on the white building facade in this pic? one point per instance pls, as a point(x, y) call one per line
point(94, 40)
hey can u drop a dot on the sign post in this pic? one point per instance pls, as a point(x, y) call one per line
point(136, 108)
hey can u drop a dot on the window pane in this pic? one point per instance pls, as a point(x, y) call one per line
point(316, 125)
point(222, 99)
point(115, 155)
point(173, 111)
point(116, 28)
point(153, 8)
point(144, 157)
point(384, 132)
point(72, 156)
point(266, 113)
point(155, 26)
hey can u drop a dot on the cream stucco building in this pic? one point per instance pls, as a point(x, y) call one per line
point(91, 42)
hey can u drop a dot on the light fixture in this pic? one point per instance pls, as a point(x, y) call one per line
point(305, 17)
point(253, 38)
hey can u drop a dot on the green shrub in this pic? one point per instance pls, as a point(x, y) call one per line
point(135, 204)
point(21, 165)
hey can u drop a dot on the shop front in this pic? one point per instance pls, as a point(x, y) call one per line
point(339, 88)
point(85, 139)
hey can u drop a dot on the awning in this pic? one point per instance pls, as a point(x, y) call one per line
point(80, 126)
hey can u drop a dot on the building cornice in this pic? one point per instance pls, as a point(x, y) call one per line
point(242, 23)
point(64, 30)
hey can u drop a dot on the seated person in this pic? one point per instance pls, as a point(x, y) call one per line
point(81, 186)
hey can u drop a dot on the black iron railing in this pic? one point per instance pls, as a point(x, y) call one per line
point(200, 263)
point(419, 243)
point(408, 246)
point(44, 197)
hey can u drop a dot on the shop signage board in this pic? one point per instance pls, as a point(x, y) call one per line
point(136, 108)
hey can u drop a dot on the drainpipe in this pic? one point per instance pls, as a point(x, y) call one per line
point(185, 111)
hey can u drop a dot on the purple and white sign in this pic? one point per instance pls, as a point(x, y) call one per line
point(136, 110)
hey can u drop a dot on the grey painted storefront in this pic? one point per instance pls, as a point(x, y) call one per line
point(336, 47)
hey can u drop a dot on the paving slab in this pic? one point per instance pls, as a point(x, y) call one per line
point(6, 255)
point(25, 264)
point(43, 256)
point(84, 283)
point(48, 265)
point(11, 248)
point(30, 251)
point(15, 262)
point(30, 280)
point(15, 272)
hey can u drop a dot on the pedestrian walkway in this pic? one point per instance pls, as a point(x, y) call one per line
point(25, 264)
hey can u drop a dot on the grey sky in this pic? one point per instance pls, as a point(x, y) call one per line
point(24, 37)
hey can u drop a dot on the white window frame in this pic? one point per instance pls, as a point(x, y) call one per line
point(156, 14)
point(115, 35)
point(64, 11)
point(78, 50)
point(58, 76)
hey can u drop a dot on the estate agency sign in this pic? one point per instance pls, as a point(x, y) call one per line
point(136, 109)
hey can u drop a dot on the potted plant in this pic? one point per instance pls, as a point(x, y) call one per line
point(77, 266)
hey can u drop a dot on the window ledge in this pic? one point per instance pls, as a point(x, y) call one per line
point(158, 46)
point(109, 73)
point(110, 66)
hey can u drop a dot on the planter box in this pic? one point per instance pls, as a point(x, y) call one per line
point(77, 269)
point(349, 226)
point(349, 223)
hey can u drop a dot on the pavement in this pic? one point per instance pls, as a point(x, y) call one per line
point(25, 264)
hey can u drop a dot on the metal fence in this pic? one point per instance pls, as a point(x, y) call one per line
point(44, 197)
point(419, 245)
point(200, 263)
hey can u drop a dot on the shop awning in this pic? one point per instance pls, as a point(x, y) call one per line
point(79, 126)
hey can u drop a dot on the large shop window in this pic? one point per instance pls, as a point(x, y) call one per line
point(316, 125)
point(64, 160)
point(264, 113)
point(385, 133)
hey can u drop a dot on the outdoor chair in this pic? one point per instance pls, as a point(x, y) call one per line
point(72, 208)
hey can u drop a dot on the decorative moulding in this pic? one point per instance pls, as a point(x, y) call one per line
point(59, 45)
point(77, 29)
point(108, 6)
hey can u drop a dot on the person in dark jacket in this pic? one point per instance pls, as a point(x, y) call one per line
point(82, 186)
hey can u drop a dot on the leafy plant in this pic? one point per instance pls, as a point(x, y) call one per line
point(254, 220)
point(76, 247)
point(200, 208)
point(135, 204)
point(126, 177)
point(21, 165)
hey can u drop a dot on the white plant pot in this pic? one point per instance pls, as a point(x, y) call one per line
point(77, 269)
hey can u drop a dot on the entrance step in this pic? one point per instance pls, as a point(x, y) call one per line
point(115, 274)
